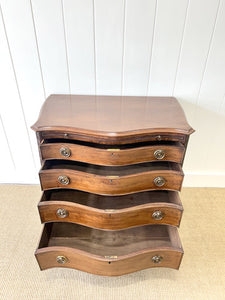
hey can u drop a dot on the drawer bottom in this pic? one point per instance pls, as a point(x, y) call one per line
point(109, 253)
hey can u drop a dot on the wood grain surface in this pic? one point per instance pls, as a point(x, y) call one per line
point(112, 155)
point(111, 180)
point(109, 253)
point(118, 139)
point(103, 182)
point(112, 213)
point(112, 117)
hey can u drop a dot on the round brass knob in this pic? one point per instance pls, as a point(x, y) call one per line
point(159, 154)
point(61, 259)
point(63, 179)
point(157, 259)
point(62, 213)
point(159, 181)
point(64, 151)
point(157, 215)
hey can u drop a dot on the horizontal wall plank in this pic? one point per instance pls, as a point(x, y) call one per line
point(204, 180)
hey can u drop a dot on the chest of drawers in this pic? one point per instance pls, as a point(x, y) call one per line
point(111, 172)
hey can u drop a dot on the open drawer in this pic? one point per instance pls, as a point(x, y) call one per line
point(110, 212)
point(111, 180)
point(111, 154)
point(109, 253)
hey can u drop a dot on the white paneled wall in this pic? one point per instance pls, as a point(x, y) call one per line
point(116, 47)
point(139, 23)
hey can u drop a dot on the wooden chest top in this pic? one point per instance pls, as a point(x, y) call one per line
point(112, 116)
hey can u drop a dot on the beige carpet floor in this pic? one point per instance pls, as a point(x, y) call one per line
point(201, 275)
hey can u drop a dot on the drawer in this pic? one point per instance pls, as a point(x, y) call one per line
point(111, 180)
point(110, 212)
point(114, 137)
point(109, 253)
point(112, 155)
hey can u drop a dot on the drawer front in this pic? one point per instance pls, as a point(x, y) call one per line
point(65, 257)
point(111, 185)
point(111, 219)
point(114, 139)
point(108, 253)
point(98, 156)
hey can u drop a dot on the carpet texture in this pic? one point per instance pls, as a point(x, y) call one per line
point(201, 275)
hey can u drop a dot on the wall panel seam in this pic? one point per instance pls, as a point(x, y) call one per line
point(17, 86)
point(208, 52)
point(151, 50)
point(94, 42)
point(66, 48)
point(7, 141)
point(38, 52)
point(181, 47)
point(123, 50)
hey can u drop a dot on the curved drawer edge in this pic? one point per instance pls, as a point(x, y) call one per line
point(125, 137)
point(112, 157)
point(106, 185)
point(110, 219)
point(108, 266)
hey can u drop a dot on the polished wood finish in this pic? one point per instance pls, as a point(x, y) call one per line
point(114, 140)
point(113, 180)
point(109, 253)
point(110, 203)
point(138, 153)
point(112, 118)
point(115, 212)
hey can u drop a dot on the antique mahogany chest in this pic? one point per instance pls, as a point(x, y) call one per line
point(111, 172)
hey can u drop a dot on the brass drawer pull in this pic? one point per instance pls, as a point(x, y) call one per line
point(63, 179)
point(159, 181)
point(159, 154)
point(157, 215)
point(61, 259)
point(157, 259)
point(62, 213)
point(64, 151)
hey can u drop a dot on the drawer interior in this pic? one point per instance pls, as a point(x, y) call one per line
point(111, 202)
point(109, 243)
point(111, 170)
point(107, 146)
